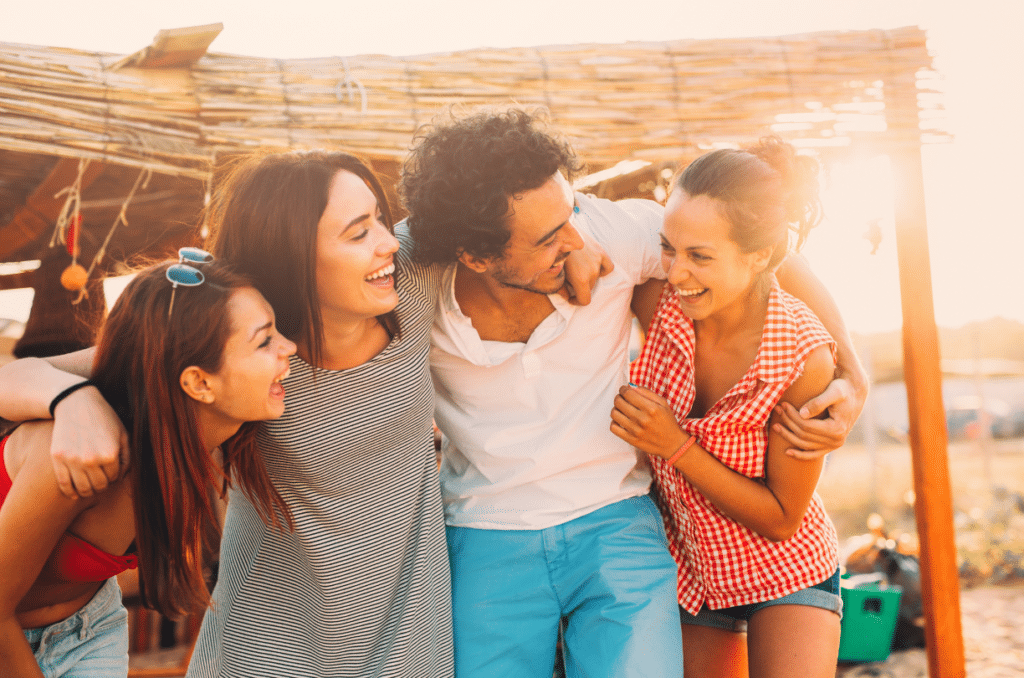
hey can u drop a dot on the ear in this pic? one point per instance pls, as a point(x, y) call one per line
point(195, 382)
point(474, 263)
point(761, 257)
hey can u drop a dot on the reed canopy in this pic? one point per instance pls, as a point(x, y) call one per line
point(134, 138)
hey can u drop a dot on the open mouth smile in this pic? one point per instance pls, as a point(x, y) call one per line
point(381, 276)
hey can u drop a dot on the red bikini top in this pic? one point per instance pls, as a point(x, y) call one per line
point(75, 559)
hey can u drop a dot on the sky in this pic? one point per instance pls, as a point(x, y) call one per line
point(976, 228)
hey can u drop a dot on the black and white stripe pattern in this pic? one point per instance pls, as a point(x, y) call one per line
point(361, 588)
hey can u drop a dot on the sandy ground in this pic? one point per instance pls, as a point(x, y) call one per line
point(993, 642)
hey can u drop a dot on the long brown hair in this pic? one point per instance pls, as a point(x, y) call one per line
point(263, 221)
point(139, 359)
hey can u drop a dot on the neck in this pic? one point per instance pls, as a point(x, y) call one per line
point(214, 430)
point(744, 316)
point(348, 343)
point(473, 288)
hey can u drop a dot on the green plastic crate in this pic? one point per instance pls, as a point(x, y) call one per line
point(869, 620)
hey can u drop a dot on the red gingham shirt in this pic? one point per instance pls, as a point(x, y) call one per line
point(721, 562)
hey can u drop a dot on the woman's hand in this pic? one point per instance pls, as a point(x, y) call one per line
point(89, 447)
point(645, 420)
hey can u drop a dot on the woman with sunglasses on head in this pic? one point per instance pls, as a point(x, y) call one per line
point(187, 356)
point(361, 587)
point(754, 546)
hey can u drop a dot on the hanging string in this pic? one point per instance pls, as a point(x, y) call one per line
point(71, 212)
point(122, 218)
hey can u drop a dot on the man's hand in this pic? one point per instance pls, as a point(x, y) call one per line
point(89, 448)
point(583, 268)
point(811, 437)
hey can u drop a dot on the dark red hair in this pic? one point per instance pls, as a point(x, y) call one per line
point(139, 360)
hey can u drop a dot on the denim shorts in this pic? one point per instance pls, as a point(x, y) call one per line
point(91, 643)
point(824, 595)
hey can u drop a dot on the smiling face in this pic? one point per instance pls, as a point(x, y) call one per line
point(354, 254)
point(702, 261)
point(542, 236)
point(247, 387)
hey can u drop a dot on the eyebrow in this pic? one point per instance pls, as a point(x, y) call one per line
point(361, 218)
point(259, 329)
point(556, 229)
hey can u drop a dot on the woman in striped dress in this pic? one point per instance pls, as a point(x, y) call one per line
point(755, 550)
point(361, 586)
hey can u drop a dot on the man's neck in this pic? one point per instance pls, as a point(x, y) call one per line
point(498, 312)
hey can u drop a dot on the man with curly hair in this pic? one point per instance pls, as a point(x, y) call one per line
point(548, 514)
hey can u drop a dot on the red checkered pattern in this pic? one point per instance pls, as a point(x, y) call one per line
point(720, 561)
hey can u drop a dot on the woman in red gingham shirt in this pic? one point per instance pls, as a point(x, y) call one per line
point(755, 548)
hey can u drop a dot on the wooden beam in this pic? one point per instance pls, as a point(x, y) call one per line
point(933, 504)
point(16, 281)
point(41, 209)
point(173, 48)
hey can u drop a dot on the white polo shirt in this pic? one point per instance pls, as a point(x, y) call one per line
point(526, 425)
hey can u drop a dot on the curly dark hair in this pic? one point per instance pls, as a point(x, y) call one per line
point(462, 173)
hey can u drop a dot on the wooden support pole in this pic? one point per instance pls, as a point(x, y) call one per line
point(933, 505)
point(41, 209)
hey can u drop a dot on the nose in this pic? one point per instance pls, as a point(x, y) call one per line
point(388, 243)
point(676, 271)
point(288, 346)
point(571, 238)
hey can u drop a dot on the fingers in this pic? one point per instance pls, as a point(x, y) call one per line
point(123, 455)
point(580, 297)
point(607, 266)
point(67, 488)
point(837, 391)
point(807, 438)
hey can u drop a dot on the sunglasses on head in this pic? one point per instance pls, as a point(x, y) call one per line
point(186, 274)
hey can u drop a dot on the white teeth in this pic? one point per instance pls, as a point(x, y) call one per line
point(387, 270)
point(283, 376)
point(691, 293)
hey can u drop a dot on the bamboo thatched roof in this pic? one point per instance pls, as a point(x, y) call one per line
point(653, 101)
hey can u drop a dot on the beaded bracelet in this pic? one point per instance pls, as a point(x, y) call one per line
point(66, 392)
point(671, 461)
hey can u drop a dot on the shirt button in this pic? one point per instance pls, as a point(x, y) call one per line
point(531, 365)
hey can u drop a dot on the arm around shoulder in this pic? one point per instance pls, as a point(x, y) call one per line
point(89, 442)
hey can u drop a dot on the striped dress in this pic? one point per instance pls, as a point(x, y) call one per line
point(361, 587)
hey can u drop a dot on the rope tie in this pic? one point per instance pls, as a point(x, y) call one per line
point(789, 74)
point(287, 104)
point(547, 79)
point(412, 94)
point(348, 82)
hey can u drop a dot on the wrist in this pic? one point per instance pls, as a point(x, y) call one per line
point(673, 458)
point(59, 398)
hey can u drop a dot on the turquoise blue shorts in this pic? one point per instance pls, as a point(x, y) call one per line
point(607, 574)
point(824, 595)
